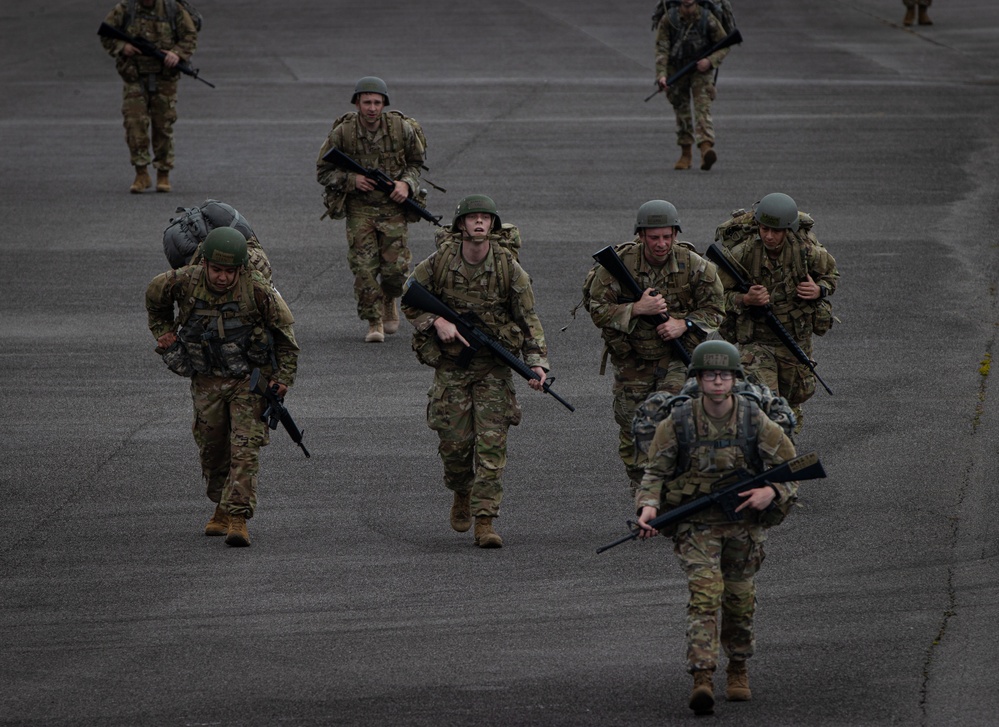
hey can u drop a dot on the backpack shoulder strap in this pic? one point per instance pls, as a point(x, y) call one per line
point(686, 433)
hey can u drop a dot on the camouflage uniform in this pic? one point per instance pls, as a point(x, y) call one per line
point(763, 356)
point(256, 328)
point(150, 93)
point(472, 409)
point(643, 362)
point(376, 226)
point(719, 557)
point(679, 40)
point(920, 3)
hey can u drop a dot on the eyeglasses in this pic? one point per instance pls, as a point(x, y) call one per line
point(720, 375)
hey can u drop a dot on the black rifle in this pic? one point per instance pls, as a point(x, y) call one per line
point(613, 264)
point(148, 49)
point(733, 38)
point(470, 328)
point(276, 411)
point(803, 467)
point(383, 182)
point(717, 256)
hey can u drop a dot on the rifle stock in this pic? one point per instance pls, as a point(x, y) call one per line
point(733, 38)
point(803, 467)
point(148, 49)
point(416, 296)
point(613, 264)
point(276, 411)
point(716, 255)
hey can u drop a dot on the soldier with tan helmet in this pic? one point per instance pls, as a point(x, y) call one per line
point(701, 440)
point(215, 322)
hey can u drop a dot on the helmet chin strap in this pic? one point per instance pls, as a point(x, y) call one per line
point(717, 398)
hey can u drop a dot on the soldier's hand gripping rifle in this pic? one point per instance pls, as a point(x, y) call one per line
point(148, 49)
point(613, 264)
point(733, 38)
point(717, 256)
point(803, 467)
point(276, 411)
point(383, 182)
point(470, 328)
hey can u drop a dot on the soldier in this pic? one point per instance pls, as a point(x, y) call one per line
point(910, 12)
point(677, 282)
point(472, 408)
point(683, 33)
point(229, 321)
point(702, 440)
point(376, 224)
point(795, 277)
point(150, 95)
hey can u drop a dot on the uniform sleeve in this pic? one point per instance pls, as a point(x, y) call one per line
point(662, 47)
point(115, 19)
point(277, 316)
point(160, 303)
point(822, 268)
point(708, 309)
point(661, 465)
point(775, 448)
point(327, 174)
point(415, 157)
point(717, 34)
point(422, 274)
point(535, 350)
point(187, 35)
point(603, 305)
point(737, 255)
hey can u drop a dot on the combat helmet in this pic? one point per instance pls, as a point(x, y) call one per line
point(657, 213)
point(225, 246)
point(777, 211)
point(370, 84)
point(476, 203)
point(716, 356)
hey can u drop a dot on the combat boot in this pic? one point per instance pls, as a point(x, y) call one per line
point(390, 317)
point(910, 15)
point(163, 180)
point(461, 512)
point(219, 524)
point(237, 536)
point(376, 333)
point(708, 155)
point(702, 698)
point(142, 181)
point(685, 157)
point(485, 536)
point(737, 687)
point(924, 19)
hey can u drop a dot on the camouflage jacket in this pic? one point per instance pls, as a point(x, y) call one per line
point(715, 454)
point(153, 25)
point(688, 282)
point(678, 46)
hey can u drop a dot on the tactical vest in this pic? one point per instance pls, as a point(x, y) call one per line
point(392, 161)
point(687, 40)
point(160, 30)
point(795, 314)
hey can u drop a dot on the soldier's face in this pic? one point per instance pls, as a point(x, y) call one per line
point(477, 224)
point(713, 385)
point(772, 239)
point(369, 108)
point(657, 242)
point(221, 277)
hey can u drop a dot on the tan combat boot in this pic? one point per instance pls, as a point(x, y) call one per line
point(485, 536)
point(162, 180)
point(708, 155)
point(219, 524)
point(924, 19)
point(702, 698)
point(390, 316)
point(238, 536)
point(376, 333)
point(685, 157)
point(142, 181)
point(737, 688)
point(461, 512)
point(910, 15)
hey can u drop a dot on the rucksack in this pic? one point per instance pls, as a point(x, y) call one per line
point(506, 245)
point(742, 225)
point(171, 10)
point(187, 230)
point(721, 9)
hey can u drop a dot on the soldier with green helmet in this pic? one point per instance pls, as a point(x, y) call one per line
point(795, 276)
point(472, 408)
point(215, 322)
point(376, 223)
point(701, 440)
point(677, 282)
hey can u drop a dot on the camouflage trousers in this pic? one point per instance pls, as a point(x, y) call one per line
point(634, 380)
point(776, 368)
point(471, 411)
point(697, 91)
point(914, 3)
point(720, 562)
point(142, 109)
point(229, 434)
point(377, 255)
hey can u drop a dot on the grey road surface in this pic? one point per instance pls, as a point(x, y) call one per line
point(356, 604)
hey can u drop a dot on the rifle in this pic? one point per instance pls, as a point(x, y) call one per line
point(276, 411)
point(613, 264)
point(148, 49)
point(383, 182)
point(803, 467)
point(718, 257)
point(733, 38)
point(470, 327)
